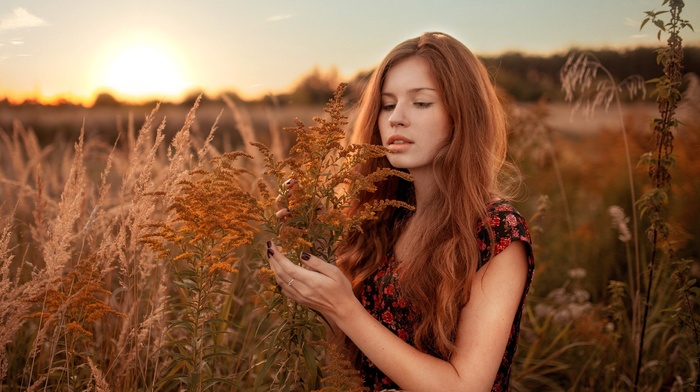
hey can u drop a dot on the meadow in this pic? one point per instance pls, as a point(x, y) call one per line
point(131, 243)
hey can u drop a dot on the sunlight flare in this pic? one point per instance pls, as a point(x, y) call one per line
point(145, 71)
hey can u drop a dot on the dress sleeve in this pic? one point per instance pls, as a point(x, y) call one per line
point(508, 226)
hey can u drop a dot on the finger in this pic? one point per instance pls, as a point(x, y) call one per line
point(288, 270)
point(282, 214)
point(317, 264)
point(280, 275)
point(285, 270)
point(280, 201)
point(290, 183)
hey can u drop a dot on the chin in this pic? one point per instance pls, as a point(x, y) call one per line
point(397, 164)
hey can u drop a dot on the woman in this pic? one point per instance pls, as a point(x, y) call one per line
point(432, 299)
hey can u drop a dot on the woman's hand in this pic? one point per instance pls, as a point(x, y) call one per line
point(281, 201)
point(291, 188)
point(322, 286)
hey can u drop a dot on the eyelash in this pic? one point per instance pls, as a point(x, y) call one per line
point(420, 105)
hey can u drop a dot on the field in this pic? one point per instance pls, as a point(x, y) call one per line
point(128, 260)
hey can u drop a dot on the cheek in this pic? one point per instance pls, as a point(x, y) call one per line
point(445, 128)
point(447, 136)
point(443, 135)
point(384, 130)
point(437, 145)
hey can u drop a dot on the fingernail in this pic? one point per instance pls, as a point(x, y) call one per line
point(305, 256)
point(270, 252)
point(269, 244)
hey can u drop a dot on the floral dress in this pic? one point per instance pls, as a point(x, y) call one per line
point(381, 294)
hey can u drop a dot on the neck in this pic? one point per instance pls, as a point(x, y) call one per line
point(424, 187)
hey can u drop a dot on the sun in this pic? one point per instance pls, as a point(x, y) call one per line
point(140, 72)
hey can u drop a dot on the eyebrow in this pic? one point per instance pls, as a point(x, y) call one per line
point(415, 90)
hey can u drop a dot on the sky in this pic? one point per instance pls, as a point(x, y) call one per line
point(162, 49)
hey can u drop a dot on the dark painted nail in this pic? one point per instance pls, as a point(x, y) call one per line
point(269, 244)
point(270, 252)
point(305, 256)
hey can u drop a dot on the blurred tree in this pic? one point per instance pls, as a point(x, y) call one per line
point(106, 100)
point(316, 87)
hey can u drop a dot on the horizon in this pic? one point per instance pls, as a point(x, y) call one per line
point(70, 50)
point(216, 95)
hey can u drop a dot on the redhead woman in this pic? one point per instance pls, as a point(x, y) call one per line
point(431, 299)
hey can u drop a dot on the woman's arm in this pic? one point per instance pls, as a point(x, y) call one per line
point(483, 330)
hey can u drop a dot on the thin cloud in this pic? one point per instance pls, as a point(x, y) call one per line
point(278, 17)
point(639, 36)
point(16, 42)
point(20, 18)
point(632, 22)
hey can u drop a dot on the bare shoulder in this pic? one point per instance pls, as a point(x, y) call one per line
point(507, 272)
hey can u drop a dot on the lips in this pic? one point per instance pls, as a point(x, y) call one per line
point(398, 143)
point(398, 140)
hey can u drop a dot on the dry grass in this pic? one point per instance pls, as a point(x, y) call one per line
point(110, 313)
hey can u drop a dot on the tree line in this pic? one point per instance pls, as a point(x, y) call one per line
point(523, 77)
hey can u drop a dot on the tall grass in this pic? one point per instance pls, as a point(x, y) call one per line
point(649, 313)
point(156, 334)
point(139, 264)
point(659, 161)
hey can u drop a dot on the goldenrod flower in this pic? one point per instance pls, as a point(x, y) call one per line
point(326, 183)
point(74, 300)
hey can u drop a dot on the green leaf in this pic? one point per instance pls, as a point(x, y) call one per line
point(182, 324)
point(272, 351)
point(311, 364)
point(660, 24)
point(208, 357)
point(193, 382)
point(208, 384)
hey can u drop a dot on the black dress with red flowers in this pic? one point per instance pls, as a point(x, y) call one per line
point(381, 294)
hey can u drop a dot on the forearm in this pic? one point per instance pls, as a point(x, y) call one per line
point(483, 329)
point(410, 368)
point(334, 334)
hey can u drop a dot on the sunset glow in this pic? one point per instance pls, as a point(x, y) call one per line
point(143, 71)
point(141, 51)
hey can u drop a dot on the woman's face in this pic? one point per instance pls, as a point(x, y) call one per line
point(413, 120)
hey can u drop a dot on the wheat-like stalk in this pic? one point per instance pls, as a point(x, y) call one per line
point(588, 84)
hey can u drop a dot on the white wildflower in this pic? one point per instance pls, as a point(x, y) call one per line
point(620, 221)
point(577, 273)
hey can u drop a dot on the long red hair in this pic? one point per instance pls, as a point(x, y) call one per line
point(436, 276)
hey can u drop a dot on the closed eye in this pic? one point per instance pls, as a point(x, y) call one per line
point(389, 106)
point(423, 105)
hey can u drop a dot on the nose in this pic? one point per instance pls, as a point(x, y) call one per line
point(398, 116)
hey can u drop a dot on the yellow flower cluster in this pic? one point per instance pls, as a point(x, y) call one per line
point(74, 300)
point(214, 218)
point(326, 182)
point(215, 214)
